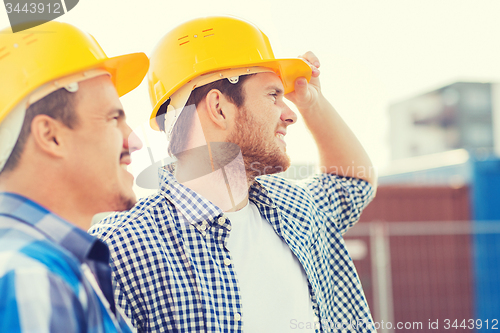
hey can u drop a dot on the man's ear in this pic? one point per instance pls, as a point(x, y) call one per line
point(219, 108)
point(47, 134)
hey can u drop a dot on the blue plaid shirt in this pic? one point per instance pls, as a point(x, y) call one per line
point(50, 273)
point(168, 254)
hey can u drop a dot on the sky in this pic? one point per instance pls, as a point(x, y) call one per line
point(372, 52)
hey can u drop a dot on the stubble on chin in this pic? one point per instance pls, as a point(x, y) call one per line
point(129, 203)
point(125, 202)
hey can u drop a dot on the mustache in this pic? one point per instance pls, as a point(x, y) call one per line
point(124, 153)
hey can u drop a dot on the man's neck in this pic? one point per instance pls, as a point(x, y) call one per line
point(47, 194)
point(225, 185)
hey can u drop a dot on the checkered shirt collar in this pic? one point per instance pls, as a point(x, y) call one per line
point(193, 206)
point(78, 242)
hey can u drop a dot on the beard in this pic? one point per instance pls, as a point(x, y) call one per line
point(261, 155)
point(124, 202)
point(128, 203)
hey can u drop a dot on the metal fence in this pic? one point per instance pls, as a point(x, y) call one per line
point(429, 276)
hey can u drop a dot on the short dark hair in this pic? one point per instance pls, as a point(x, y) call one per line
point(59, 105)
point(233, 91)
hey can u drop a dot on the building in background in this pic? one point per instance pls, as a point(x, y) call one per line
point(427, 249)
point(460, 115)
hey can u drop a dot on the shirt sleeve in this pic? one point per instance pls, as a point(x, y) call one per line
point(343, 198)
point(37, 300)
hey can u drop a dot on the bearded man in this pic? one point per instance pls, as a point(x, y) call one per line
point(226, 245)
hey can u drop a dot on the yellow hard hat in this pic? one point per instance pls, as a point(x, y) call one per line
point(54, 50)
point(210, 44)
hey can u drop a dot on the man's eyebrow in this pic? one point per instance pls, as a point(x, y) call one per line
point(276, 88)
point(120, 112)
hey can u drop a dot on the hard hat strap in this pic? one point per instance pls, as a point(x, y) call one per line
point(232, 75)
point(10, 128)
point(70, 83)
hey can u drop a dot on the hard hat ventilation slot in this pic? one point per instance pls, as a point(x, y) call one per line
point(5, 54)
point(183, 42)
point(28, 42)
point(208, 30)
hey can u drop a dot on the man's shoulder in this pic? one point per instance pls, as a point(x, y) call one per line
point(39, 278)
point(146, 210)
point(280, 186)
point(26, 252)
point(321, 190)
point(319, 180)
point(286, 194)
point(278, 181)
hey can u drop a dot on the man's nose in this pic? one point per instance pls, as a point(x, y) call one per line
point(287, 115)
point(132, 141)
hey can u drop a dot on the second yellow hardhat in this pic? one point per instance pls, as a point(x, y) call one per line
point(54, 50)
point(211, 44)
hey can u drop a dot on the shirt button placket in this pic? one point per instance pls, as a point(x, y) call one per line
point(203, 228)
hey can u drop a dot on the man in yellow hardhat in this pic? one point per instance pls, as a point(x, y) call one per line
point(225, 245)
point(64, 146)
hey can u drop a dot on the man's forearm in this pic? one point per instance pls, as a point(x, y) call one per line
point(339, 150)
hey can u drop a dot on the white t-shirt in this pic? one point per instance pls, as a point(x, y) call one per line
point(274, 290)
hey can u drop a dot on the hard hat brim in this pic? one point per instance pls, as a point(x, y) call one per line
point(127, 71)
point(287, 69)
